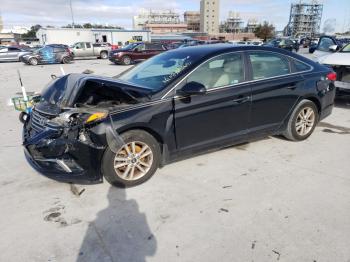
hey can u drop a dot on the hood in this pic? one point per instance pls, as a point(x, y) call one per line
point(338, 58)
point(120, 50)
point(63, 91)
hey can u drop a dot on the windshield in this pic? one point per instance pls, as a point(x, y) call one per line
point(160, 70)
point(346, 49)
point(131, 46)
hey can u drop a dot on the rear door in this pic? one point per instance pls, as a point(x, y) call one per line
point(3, 54)
point(223, 112)
point(274, 90)
point(12, 54)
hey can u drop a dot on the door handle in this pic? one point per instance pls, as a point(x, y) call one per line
point(292, 87)
point(240, 99)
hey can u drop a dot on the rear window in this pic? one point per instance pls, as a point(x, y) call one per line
point(266, 65)
point(300, 66)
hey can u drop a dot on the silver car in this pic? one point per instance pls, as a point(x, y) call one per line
point(12, 53)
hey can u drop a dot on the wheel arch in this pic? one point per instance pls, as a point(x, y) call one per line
point(315, 100)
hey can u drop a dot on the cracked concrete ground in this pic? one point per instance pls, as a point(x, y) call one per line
point(268, 200)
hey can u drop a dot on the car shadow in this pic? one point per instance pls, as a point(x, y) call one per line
point(343, 102)
point(119, 233)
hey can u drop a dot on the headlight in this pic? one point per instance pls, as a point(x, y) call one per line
point(76, 116)
point(98, 116)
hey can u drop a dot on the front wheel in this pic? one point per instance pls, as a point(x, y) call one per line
point(126, 60)
point(134, 162)
point(33, 61)
point(302, 121)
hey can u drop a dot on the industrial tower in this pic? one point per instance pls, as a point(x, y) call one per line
point(305, 19)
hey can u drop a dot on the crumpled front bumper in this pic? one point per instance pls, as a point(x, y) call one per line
point(59, 154)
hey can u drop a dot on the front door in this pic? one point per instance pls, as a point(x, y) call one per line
point(221, 114)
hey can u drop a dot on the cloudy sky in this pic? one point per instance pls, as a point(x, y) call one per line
point(120, 12)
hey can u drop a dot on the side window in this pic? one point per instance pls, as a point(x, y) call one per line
point(268, 65)
point(300, 66)
point(13, 49)
point(220, 71)
point(140, 47)
point(88, 45)
point(58, 50)
point(324, 44)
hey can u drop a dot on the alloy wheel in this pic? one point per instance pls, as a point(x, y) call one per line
point(305, 121)
point(133, 161)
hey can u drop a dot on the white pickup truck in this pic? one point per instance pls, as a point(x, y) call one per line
point(332, 52)
point(87, 49)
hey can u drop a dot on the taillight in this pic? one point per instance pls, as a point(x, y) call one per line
point(332, 76)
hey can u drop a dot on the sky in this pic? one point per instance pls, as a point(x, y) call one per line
point(120, 12)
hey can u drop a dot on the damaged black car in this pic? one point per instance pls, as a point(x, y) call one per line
point(175, 105)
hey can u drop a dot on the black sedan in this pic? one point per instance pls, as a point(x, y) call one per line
point(283, 43)
point(174, 105)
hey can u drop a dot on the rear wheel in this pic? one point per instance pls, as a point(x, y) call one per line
point(126, 60)
point(66, 60)
point(302, 122)
point(134, 162)
point(33, 61)
point(104, 55)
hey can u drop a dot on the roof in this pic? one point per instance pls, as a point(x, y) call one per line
point(216, 49)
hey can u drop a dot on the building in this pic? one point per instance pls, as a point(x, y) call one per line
point(163, 21)
point(70, 36)
point(304, 19)
point(9, 38)
point(251, 25)
point(16, 30)
point(233, 24)
point(192, 19)
point(209, 16)
point(166, 28)
point(1, 24)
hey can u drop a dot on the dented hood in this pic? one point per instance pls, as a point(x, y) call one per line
point(62, 92)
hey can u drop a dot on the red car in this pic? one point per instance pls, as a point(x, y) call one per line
point(134, 52)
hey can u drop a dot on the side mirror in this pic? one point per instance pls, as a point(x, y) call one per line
point(333, 48)
point(312, 49)
point(77, 47)
point(192, 88)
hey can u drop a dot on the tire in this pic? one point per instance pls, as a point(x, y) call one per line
point(126, 60)
point(23, 117)
point(104, 55)
point(308, 125)
point(66, 60)
point(128, 171)
point(33, 61)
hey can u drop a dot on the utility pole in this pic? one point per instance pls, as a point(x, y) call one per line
point(71, 10)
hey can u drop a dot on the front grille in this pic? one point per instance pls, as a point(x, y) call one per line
point(38, 121)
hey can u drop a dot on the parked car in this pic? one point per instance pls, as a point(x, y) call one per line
point(283, 43)
point(326, 46)
point(12, 53)
point(135, 52)
point(49, 54)
point(87, 49)
point(340, 62)
point(174, 105)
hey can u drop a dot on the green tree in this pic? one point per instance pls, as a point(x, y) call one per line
point(32, 32)
point(265, 30)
